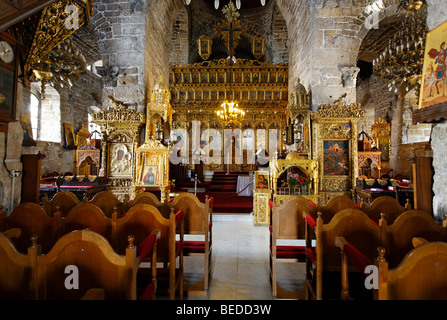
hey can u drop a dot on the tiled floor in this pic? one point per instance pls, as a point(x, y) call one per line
point(240, 262)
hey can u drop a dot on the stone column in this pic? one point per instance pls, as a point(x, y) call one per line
point(437, 14)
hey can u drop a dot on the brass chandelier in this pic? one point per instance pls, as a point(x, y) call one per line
point(400, 63)
point(216, 3)
point(63, 65)
point(230, 112)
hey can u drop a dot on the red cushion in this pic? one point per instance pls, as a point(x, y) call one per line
point(310, 253)
point(170, 200)
point(356, 257)
point(312, 203)
point(311, 221)
point(146, 246)
point(290, 252)
point(270, 204)
point(403, 184)
point(270, 229)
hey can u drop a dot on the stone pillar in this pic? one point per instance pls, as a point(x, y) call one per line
point(437, 14)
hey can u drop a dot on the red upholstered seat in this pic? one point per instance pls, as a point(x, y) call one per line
point(290, 252)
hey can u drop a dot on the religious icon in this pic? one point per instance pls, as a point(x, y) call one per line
point(204, 44)
point(336, 157)
point(434, 76)
point(258, 46)
point(27, 129)
point(69, 134)
point(149, 175)
point(261, 180)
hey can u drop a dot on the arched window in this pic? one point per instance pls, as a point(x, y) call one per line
point(45, 111)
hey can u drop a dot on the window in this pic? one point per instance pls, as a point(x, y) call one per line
point(45, 112)
point(34, 111)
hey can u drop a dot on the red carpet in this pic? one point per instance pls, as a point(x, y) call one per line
point(223, 189)
point(228, 202)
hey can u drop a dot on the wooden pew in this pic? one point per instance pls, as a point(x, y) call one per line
point(323, 264)
point(108, 203)
point(148, 198)
point(410, 224)
point(197, 226)
point(32, 220)
point(389, 206)
point(89, 216)
point(287, 225)
point(16, 274)
point(421, 275)
point(98, 266)
point(65, 200)
point(143, 218)
point(410, 229)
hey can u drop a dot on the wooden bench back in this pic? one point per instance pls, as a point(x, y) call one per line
point(16, 276)
point(389, 206)
point(98, 264)
point(288, 220)
point(108, 203)
point(151, 199)
point(334, 205)
point(32, 220)
point(352, 224)
point(89, 216)
point(196, 214)
point(410, 224)
point(422, 275)
point(65, 200)
point(140, 221)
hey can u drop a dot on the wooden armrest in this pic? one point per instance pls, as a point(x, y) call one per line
point(418, 241)
point(12, 233)
point(340, 242)
point(94, 294)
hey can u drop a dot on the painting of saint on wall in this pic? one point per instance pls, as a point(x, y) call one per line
point(149, 175)
point(336, 157)
point(261, 180)
point(434, 75)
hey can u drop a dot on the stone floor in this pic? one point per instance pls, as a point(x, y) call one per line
point(240, 263)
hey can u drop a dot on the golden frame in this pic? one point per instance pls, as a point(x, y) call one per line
point(262, 180)
point(204, 45)
point(434, 74)
point(258, 46)
point(69, 135)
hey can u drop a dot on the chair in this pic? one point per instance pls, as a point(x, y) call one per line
point(145, 218)
point(198, 229)
point(108, 203)
point(287, 225)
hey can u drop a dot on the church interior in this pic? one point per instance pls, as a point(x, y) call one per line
point(143, 141)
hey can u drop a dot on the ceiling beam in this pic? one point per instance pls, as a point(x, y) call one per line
point(22, 12)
